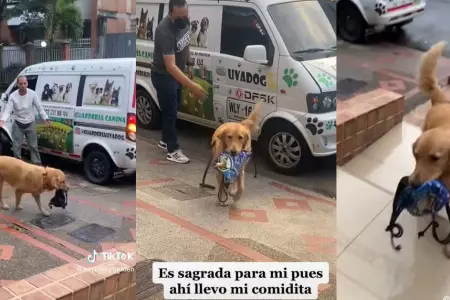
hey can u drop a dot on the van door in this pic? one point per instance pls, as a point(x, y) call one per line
point(58, 94)
point(238, 84)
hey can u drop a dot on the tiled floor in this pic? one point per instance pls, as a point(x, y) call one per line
point(368, 267)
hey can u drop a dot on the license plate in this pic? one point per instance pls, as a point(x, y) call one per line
point(238, 110)
point(401, 2)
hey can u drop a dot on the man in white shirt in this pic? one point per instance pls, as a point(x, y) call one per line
point(21, 104)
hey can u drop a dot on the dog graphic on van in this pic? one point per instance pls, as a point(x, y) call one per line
point(142, 31)
point(193, 33)
point(66, 95)
point(150, 29)
point(54, 93)
point(107, 93)
point(95, 95)
point(202, 37)
point(115, 97)
point(47, 93)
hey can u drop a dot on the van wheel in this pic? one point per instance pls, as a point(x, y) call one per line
point(148, 113)
point(98, 167)
point(286, 149)
point(5, 144)
point(351, 25)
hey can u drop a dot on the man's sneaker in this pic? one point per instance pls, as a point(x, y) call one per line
point(162, 145)
point(177, 156)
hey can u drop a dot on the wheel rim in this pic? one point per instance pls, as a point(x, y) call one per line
point(285, 150)
point(144, 110)
point(98, 168)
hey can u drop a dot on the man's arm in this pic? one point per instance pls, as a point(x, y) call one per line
point(8, 110)
point(37, 103)
point(167, 44)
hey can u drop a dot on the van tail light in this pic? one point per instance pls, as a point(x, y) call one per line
point(131, 127)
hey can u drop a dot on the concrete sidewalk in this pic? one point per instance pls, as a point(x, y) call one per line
point(368, 267)
point(177, 221)
point(27, 249)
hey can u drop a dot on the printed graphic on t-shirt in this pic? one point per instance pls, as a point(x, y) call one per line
point(183, 42)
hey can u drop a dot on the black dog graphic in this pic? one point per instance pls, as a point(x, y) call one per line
point(47, 93)
point(150, 29)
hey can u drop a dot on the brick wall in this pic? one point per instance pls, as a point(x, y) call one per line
point(120, 6)
point(101, 280)
point(364, 119)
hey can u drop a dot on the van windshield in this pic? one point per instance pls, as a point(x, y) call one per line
point(305, 29)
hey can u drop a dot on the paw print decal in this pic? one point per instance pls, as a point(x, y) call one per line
point(130, 153)
point(380, 8)
point(313, 126)
point(325, 80)
point(330, 124)
point(290, 77)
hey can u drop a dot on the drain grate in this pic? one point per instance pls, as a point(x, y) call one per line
point(53, 221)
point(145, 288)
point(182, 191)
point(92, 233)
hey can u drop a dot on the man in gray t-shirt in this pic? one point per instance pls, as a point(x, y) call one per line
point(171, 56)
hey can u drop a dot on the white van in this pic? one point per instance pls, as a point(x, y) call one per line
point(92, 105)
point(358, 18)
point(280, 53)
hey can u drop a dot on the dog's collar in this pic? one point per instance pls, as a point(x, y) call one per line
point(46, 183)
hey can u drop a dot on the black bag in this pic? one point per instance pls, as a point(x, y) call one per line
point(59, 200)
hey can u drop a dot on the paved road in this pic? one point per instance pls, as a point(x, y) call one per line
point(195, 141)
point(178, 221)
point(27, 249)
point(390, 60)
point(426, 30)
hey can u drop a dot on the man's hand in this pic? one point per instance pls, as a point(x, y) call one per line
point(48, 122)
point(2, 123)
point(198, 91)
point(191, 72)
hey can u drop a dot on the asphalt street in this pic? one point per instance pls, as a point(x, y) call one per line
point(195, 141)
point(426, 30)
point(390, 60)
point(31, 243)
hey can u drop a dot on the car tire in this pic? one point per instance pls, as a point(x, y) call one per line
point(147, 112)
point(272, 142)
point(98, 167)
point(351, 24)
point(5, 144)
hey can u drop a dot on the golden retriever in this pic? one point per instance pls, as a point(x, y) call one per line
point(233, 137)
point(27, 178)
point(432, 149)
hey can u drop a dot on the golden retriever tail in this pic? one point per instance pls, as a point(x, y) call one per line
point(252, 120)
point(428, 80)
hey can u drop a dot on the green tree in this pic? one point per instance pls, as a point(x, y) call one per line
point(62, 20)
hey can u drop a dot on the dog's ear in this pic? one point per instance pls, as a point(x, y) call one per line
point(54, 182)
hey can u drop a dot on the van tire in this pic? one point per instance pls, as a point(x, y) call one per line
point(5, 144)
point(347, 10)
point(103, 160)
point(277, 129)
point(150, 107)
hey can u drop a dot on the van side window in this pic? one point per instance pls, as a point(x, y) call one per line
point(32, 80)
point(242, 27)
point(58, 89)
point(104, 91)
